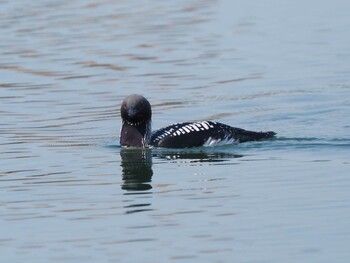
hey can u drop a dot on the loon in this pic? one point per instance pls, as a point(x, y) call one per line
point(136, 130)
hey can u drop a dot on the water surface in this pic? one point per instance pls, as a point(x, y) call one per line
point(69, 193)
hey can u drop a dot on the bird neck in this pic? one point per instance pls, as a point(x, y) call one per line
point(135, 135)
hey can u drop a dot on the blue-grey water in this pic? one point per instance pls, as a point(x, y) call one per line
point(69, 193)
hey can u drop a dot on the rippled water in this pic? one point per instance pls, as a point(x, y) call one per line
point(69, 193)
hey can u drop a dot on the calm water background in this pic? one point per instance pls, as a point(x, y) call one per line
point(70, 194)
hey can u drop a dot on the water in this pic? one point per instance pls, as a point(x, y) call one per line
point(69, 193)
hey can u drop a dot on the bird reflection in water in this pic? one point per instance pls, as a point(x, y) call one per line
point(136, 169)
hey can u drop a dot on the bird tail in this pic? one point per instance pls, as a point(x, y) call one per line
point(246, 136)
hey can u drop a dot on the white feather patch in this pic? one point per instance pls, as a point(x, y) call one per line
point(216, 142)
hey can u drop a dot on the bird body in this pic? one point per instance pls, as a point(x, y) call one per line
point(136, 130)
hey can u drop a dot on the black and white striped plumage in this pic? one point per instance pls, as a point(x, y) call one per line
point(136, 130)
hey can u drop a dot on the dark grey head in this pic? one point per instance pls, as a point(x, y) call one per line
point(136, 116)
